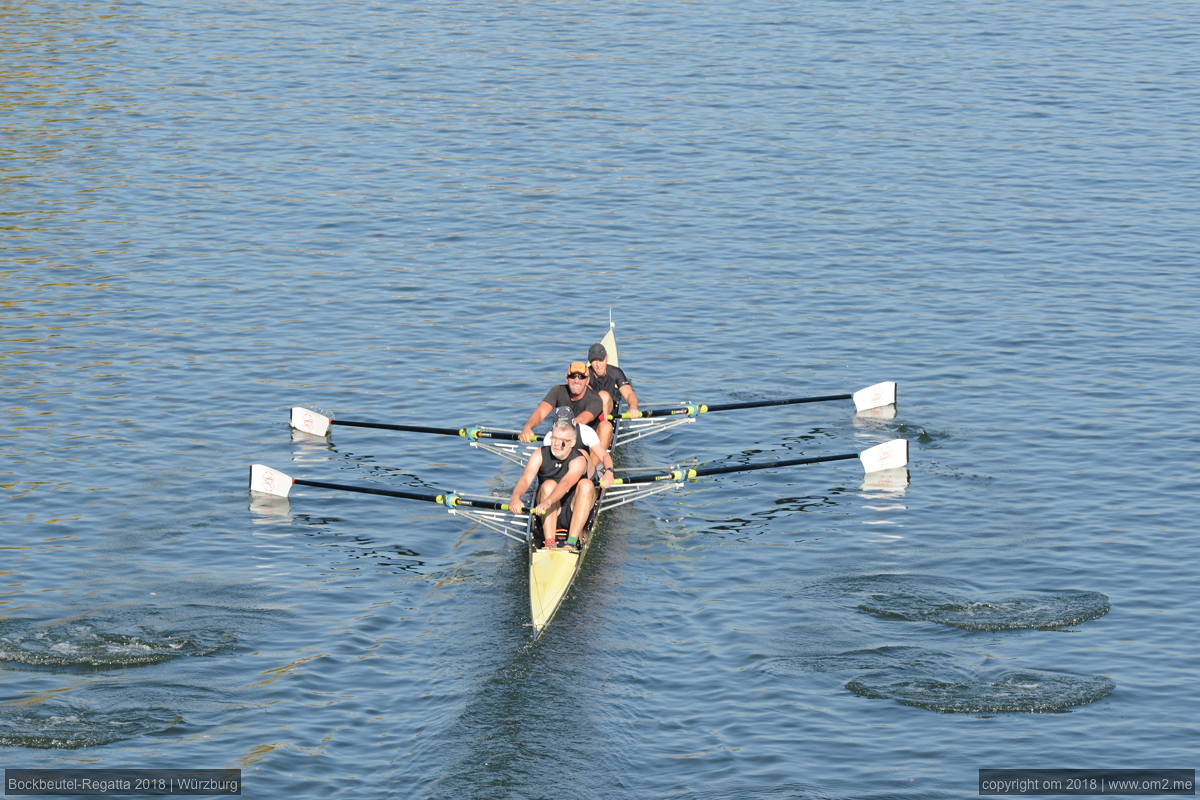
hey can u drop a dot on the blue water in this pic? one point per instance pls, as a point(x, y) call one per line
point(420, 212)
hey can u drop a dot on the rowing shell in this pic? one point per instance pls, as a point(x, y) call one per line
point(553, 572)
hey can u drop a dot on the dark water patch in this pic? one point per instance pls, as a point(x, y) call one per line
point(102, 643)
point(964, 691)
point(931, 598)
point(857, 660)
point(1043, 610)
point(790, 791)
point(59, 724)
point(941, 681)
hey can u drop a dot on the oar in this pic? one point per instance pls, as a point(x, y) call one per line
point(310, 421)
point(271, 481)
point(875, 396)
point(889, 455)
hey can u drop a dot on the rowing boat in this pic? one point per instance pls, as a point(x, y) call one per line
point(553, 572)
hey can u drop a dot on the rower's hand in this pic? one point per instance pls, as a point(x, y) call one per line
point(526, 435)
point(606, 480)
point(515, 506)
point(635, 414)
point(539, 510)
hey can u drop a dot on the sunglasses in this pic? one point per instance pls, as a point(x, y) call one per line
point(576, 375)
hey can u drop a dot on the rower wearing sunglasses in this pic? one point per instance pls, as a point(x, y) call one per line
point(575, 393)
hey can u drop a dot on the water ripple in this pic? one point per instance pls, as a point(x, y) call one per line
point(967, 692)
point(89, 645)
point(948, 602)
point(61, 724)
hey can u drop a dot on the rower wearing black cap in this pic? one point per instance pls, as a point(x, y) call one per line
point(607, 380)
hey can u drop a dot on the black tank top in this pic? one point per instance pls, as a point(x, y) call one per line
point(552, 468)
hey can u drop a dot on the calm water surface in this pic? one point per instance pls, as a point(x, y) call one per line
point(420, 212)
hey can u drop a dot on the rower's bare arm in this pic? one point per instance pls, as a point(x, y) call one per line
point(525, 481)
point(539, 414)
point(631, 400)
point(604, 458)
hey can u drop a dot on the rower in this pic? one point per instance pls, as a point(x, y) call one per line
point(607, 380)
point(600, 462)
point(575, 393)
point(564, 494)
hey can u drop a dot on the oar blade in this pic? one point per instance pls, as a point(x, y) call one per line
point(309, 421)
point(265, 480)
point(875, 396)
point(889, 455)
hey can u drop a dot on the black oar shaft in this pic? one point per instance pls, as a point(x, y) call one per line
point(468, 433)
point(787, 402)
point(695, 409)
point(790, 462)
point(446, 499)
point(389, 427)
point(432, 498)
point(688, 474)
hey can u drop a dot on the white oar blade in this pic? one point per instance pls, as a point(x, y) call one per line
point(881, 394)
point(309, 421)
point(269, 481)
point(889, 455)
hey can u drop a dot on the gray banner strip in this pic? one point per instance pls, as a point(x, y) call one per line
point(122, 782)
point(1111, 782)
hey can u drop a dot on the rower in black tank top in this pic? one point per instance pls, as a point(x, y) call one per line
point(552, 468)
